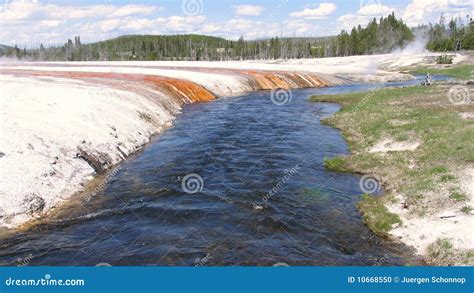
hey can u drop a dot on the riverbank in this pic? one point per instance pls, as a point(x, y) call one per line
point(59, 119)
point(62, 126)
point(229, 77)
point(418, 144)
point(194, 184)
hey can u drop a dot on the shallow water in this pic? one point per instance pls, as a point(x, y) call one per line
point(241, 148)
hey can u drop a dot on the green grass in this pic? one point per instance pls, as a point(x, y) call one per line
point(439, 170)
point(336, 164)
point(456, 195)
point(460, 71)
point(421, 113)
point(447, 141)
point(368, 97)
point(443, 253)
point(447, 178)
point(376, 215)
point(466, 210)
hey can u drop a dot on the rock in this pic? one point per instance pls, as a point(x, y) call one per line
point(447, 214)
point(405, 204)
point(257, 207)
point(56, 159)
point(34, 204)
point(2, 154)
point(98, 161)
point(122, 151)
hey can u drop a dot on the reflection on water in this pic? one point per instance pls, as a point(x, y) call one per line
point(259, 196)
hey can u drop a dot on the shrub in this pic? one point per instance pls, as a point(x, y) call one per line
point(444, 59)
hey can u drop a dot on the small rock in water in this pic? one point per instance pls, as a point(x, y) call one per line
point(257, 207)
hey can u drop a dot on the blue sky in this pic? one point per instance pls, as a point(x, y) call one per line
point(30, 22)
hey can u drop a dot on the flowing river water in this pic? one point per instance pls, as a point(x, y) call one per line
point(236, 181)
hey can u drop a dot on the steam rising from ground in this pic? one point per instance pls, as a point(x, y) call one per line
point(418, 46)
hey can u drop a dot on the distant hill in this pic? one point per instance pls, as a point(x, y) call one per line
point(172, 47)
point(4, 48)
point(159, 47)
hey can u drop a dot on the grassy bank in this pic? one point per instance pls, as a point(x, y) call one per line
point(463, 72)
point(416, 142)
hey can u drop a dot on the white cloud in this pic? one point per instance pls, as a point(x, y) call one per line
point(299, 28)
point(422, 11)
point(248, 10)
point(184, 24)
point(364, 15)
point(109, 24)
point(257, 29)
point(236, 27)
point(129, 10)
point(51, 24)
point(322, 11)
point(23, 10)
point(415, 13)
point(374, 9)
point(30, 22)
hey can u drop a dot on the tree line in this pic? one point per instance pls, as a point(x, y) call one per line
point(454, 36)
point(379, 36)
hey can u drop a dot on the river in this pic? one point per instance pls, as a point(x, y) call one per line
point(236, 181)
